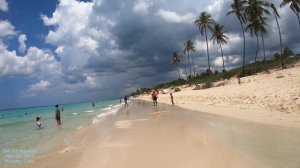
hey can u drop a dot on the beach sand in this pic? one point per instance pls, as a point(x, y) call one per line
point(142, 135)
point(255, 124)
point(266, 98)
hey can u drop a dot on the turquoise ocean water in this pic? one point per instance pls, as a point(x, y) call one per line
point(18, 128)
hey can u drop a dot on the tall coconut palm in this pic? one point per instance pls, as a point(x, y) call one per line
point(255, 27)
point(237, 8)
point(188, 57)
point(294, 5)
point(276, 15)
point(254, 11)
point(203, 22)
point(219, 36)
point(189, 47)
point(176, 61)
point(186, 75)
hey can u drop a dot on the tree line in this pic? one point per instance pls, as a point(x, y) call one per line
point(252, 17)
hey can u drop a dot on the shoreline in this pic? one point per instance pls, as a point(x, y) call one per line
point(68, 146)
point(143, 135)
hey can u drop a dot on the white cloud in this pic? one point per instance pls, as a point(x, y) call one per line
point(233, 41)
point(42, 85)
point(170, 16)
point(36, 63)
point(78, 34)
point(201, 45)
point(91, 82)
point(215, 8)
point(6, 28)
point(88, 43)
point(141, 6)
point(77, 14)
point(3, 5)
point(229, 60)
point(22, 46)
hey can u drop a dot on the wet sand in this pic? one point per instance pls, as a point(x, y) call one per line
point(142, 136)
point(167, 136)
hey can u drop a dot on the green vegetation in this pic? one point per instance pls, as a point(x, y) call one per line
point(252, 16)
point(202, 78)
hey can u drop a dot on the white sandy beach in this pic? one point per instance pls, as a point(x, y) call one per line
point(254, 124)
point(268, 98)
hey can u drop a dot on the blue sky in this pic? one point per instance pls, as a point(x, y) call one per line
point(54, 52)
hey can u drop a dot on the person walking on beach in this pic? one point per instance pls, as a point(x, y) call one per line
point(125, 100)
point(57, 115)
point(154, 97)
point(172, 98)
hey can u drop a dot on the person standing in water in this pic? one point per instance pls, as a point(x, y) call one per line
point(38, 122)
point(57, 115)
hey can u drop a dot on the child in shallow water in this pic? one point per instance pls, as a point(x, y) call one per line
point(38, 122)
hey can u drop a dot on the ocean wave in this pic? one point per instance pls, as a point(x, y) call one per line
point(89, 111)
point(118, 105)
point(107, 108)
point(100, 116)
point(74, 113)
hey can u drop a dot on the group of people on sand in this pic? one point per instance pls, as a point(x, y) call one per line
point(57, 118)
point(154, 96)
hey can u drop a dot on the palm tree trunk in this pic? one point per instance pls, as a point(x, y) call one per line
point(298, 18)
point(190, 64)
point(265, 61)
point(208, 62)
point(257, 44)
point(178, 72)
point(282, 64)
point(193, 65)
point(186, 75)
point(222, 57)
point(244, 48)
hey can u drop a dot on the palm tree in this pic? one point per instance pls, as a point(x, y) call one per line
point(294, 5)
point(188, 57)
point(276, 15)
point(176, 61)
point(219, 36)
point(203, 22)
point(256, 26)
point(256, 9)
point(186, 75)
point(237, 8)
point(254, 12)
point(189, 47)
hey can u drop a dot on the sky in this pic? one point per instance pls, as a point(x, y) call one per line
point(63, 51)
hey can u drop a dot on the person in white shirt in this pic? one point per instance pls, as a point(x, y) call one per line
point(38, 122)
